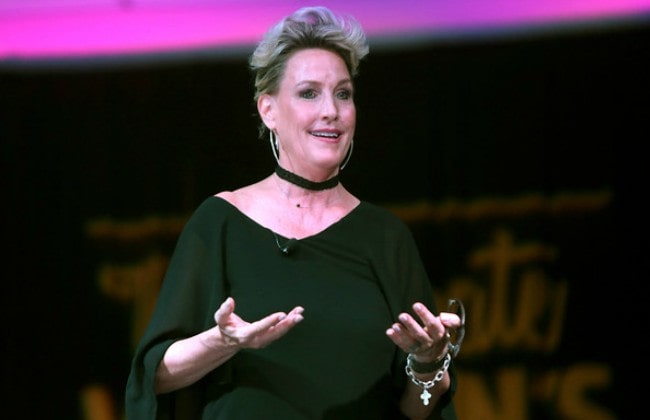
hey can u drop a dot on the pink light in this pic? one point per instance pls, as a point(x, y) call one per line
point(111, 30)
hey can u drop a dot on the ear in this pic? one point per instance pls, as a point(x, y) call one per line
point(266, 109)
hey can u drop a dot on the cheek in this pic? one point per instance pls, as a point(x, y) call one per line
point(349, 114)
point(301, 114)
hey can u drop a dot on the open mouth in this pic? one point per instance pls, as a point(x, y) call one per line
point(325, 134)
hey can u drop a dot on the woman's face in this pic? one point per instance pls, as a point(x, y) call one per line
point(313, 112)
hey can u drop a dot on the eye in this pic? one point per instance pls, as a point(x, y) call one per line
point(308, 94)
point(344, 94)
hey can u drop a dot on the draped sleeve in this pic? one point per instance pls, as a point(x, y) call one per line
point(404, 279)
point(192, 289)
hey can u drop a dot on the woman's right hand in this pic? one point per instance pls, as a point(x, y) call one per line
point(258, 334)
point(188, 360)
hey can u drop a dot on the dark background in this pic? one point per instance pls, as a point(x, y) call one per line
point(481, 117)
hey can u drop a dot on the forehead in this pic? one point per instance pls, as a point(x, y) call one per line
point(315, 64)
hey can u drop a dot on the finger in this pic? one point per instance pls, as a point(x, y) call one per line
point(298, 310)
point(398, 335)
point(268, 321)
point(279, 320)
point(450, 320)
point(292, 318)
point(424, 313)
point(272, 327)
point(390, 334)
point(410, 328)
point(431, 330)
point(437, 325)
point(431, 323)
point(224, 311)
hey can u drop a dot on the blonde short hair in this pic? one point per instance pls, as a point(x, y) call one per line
point(308, 27)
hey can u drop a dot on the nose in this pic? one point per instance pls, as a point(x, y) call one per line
point(329, 108)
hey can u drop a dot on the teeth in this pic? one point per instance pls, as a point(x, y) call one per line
point(329, 135)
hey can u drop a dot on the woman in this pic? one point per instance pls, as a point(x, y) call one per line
point(290, 298)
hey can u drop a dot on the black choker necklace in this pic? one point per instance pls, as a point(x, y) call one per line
point(305, 183)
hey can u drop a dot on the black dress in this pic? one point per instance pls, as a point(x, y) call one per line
point(352, 279)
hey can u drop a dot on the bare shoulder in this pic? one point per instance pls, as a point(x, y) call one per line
point(246, 198)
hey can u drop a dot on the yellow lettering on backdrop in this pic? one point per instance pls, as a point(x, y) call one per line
point(512, 393)
point(504, 399)
point(580, 380)
point(508, 313)
point(138, 283)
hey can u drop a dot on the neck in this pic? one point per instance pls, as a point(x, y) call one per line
point(304, 182)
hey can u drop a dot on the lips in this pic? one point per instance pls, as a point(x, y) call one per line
point(326, 134)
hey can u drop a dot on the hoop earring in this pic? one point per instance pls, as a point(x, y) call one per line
point(349, 155)
point(273, 139)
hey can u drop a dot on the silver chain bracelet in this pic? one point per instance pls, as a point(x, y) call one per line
point(428, 384)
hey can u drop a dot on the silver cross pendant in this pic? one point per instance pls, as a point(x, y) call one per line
point(425, 396)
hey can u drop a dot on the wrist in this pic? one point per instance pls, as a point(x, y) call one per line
point(425, 367)
point(425, 385)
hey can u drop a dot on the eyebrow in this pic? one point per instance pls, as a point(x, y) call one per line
point(315, 82)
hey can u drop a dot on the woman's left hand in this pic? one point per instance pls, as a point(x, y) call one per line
point(426, 338)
